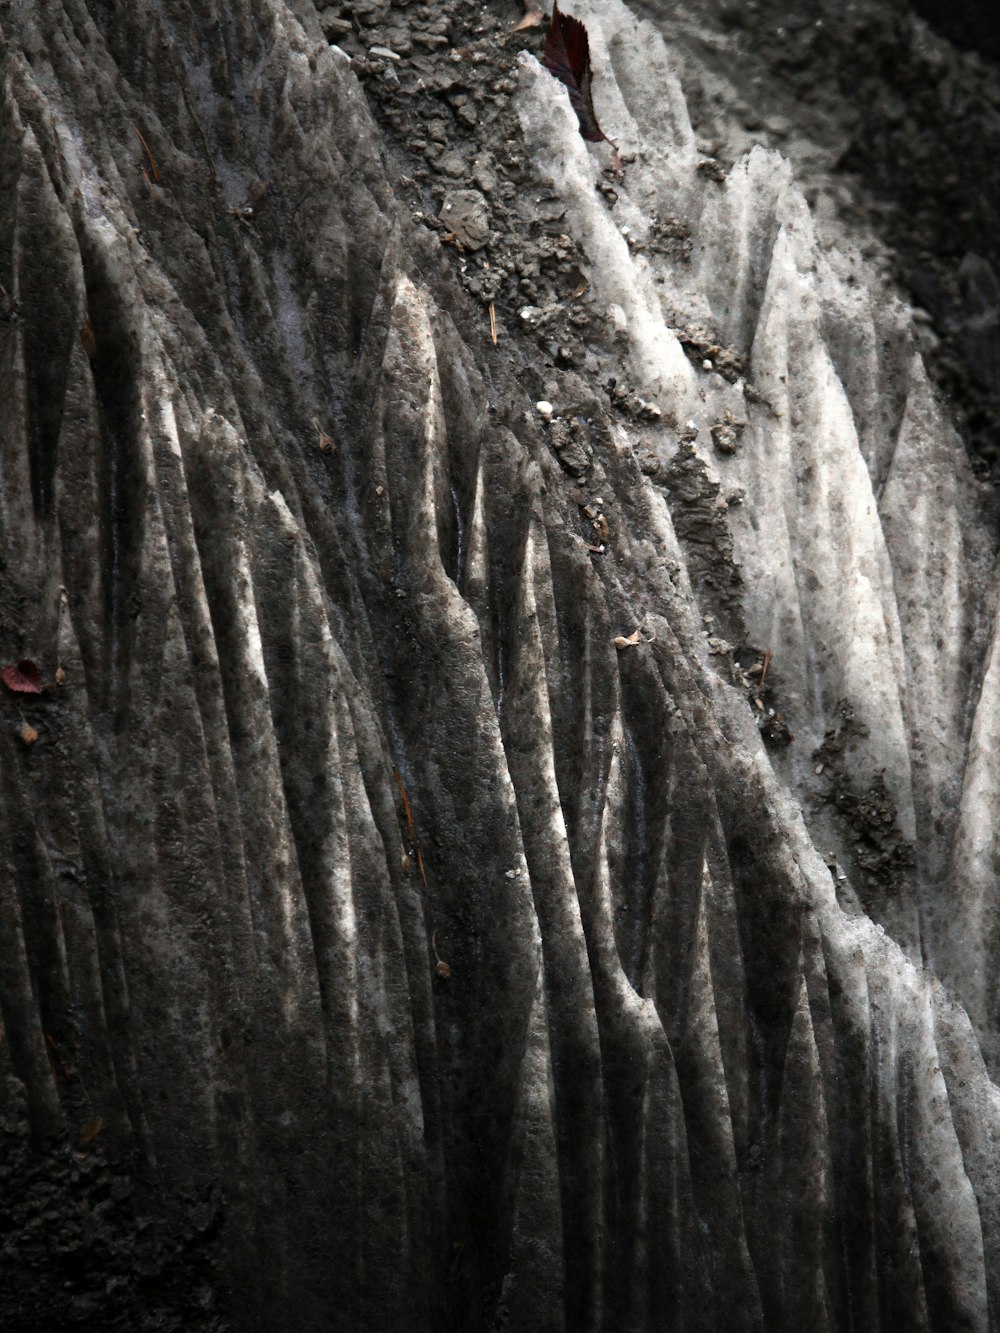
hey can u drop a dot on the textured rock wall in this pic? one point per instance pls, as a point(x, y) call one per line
point(384, 947)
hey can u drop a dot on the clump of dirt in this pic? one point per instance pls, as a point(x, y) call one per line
point(706, 352)
point(883, 860)
point(596, 529)
point(667, 236)
point(625, 399)
point(569, 437)
point(727, 433)
point(698, 511)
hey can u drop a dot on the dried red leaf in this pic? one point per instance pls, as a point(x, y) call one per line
point(23, 677)
point(567, 57)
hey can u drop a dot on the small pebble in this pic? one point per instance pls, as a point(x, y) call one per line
point(545, 410)
point(383, 53)
point(705, 365)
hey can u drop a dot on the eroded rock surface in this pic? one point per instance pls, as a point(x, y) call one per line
point(417, 901)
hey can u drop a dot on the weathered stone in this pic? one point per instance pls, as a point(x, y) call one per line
point(466, 213)
point(403, 923)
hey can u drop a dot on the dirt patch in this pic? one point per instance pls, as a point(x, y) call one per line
point(698, 510)
point(883, 860)
point(704, 351)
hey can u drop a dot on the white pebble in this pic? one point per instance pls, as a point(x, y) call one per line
point(383, 53)
point(545, 410)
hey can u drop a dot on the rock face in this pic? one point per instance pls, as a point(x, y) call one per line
point(482, 868)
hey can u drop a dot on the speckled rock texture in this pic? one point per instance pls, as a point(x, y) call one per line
point(471, 867)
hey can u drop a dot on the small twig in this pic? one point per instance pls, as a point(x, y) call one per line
point(763, 673)
point(407, 812)
point(410, 827)
point(493, 324)
point(56, 1058)
point(152, 160)
point(201, 130)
